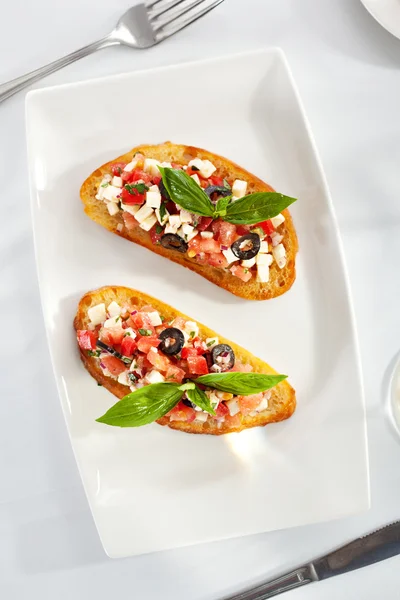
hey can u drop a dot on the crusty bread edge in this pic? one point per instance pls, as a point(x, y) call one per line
point(283, 391)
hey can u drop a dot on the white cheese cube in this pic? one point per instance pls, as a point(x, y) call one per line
point(264, 259)
point(130, 166)
point(239, 188)
point(233, 407)
point(104, 183)
point(174, 220)
point(211, 342)
point(123, 378)
point(166, 164)
point(192, 329)
point(154, 377)
point(187, 232)
point(276, 238)
point(197, 163)
point(130, 332)
point(143, 213)
point(154, 188)
point(230, 257)
point(278, 220)
point(155, 318)
point(201, 417)
point(264, 247)
point(205, 167)
point(250, 262)
point(114, 309)
point(196, 178)
point(133, 365)
point(112, 208)
point(112, 322)
point(153, 199)
point(170, 228)
point(279, 254)
point(185, 216)
point(263, 404)
point(148, 223)
point(151, 166)
point(263, 273)
point(207, 235)
point(111, 192)
point(163, 220)
point(131, 208)
point(117, 181)
point(97, 314)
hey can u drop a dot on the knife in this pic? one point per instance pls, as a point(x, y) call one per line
point(367, 550)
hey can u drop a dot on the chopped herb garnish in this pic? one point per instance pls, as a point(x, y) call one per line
point(118, 318)
point(119, 170)
point(210, 343)
point(132, 377)
point(106, 184)
point(194, 168)
point(136, 188)
point(226, 184)
point(127, 333)
point(99, 384)
point(159, 229)
point(145, 331)
point(162, 319)
point(94, 352)
point(246, 270)
point(191, 335)
point(163, 211)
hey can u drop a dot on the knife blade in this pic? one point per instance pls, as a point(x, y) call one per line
point(366, 550)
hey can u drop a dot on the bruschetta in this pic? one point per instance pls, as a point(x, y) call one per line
point(166, 367)
point(199, 210)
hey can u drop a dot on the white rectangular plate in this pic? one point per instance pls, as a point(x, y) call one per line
point(154, 488)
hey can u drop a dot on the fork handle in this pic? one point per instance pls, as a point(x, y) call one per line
point(15, 85)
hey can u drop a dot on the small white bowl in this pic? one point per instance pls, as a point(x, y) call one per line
point(386, 12)
point(395, 396)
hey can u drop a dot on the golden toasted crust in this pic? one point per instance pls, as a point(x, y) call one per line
point(282, 402)
point(280, 279)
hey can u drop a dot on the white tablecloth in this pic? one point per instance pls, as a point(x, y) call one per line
point(348, 71)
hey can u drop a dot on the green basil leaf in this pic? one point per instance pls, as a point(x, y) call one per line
point(183, 190)
point(257, 207)
point(163, 210)
point(243, 384)
point(200, 399)
point(220, 207)
point(143, 406)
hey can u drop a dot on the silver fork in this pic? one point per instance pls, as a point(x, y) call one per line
point(141, 26)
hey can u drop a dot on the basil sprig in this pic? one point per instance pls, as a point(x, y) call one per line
point(243, 384)
point(152, 402)
point(251, 209)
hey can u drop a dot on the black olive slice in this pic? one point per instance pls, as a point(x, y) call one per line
point(172, 340)
point(247, 246)
point(163, 190)
point(111, 350)
point(171, 241)
point(223, 357)
point(187, 402)
point(220, 190)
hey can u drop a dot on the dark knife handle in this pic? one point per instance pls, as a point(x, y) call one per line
point(364, 551)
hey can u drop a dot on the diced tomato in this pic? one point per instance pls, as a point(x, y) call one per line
point(204, 223)
point(129, 220)
point(201, 258)
point(217, 260)
point(209, 246)
point(242, 229)
point(243, 274)
point(197, 365)
point(239, 367)
point(146, 342)
point(157, 179)
point(158, 360)
point(222, 410)
point(138, 174)
point(174, 374)
point(249, 403)
point(127, 176)
point(117, 168)
point(171, 208)
point(154, 236)
point(216, 180)
point(175, 165)
point(178, 322)
point(147, 308)
point(190, 171)
point(233, 422)
point(113, 364)
point(267, 227)
point(86, 339)
point(227, 233)
point(142, 321)
point(112, 335)
point(216, 225)
point(132, 196)
point(203, 182)
point(181, 412)
point(185, 352)
point(128, 345)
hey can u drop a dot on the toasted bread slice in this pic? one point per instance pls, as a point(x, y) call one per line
point(280, 279)
point(281, 404)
